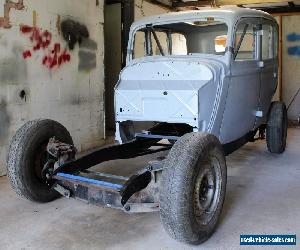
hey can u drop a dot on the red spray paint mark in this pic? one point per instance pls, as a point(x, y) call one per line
point(42, 40)
point(27, 54)
point(26, 29)
point(56, 58)
point(39, 38)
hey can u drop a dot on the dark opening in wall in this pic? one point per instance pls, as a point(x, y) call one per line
point(22, 95)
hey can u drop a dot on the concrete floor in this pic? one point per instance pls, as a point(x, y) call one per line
point(262, 198)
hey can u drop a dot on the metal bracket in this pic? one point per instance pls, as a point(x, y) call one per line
point(153, 136)
point(259, 113)
point(261, 64)
point(135, 184)
point(260, 32)
point(230, 49)
point(141, 207)
point(63, 191)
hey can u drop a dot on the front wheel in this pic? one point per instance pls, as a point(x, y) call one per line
point(27, 156)
point(193, 188)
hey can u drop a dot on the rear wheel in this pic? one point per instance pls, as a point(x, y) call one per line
point(27, 156)
point(277, 128)
point(193, 188)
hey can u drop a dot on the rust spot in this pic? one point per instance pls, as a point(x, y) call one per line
point(34, 18)
point(5, 20)
point(58, 21)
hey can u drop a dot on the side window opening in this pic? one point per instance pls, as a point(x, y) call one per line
point(245, 40)
point(220, 43)
point(269, 44)
point(162, 41)
point(276, 42)
point(140, 46)
point(178, 44)
point(255, 41)
point(208, 39)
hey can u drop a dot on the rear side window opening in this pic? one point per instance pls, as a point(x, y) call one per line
point(255, 40)
point(199, 37)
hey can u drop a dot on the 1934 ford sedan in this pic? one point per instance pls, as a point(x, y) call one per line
point(199, 84)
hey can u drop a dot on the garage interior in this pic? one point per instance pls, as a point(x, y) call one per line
point(78, 91)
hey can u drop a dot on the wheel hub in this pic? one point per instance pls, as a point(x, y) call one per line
point(206, 192)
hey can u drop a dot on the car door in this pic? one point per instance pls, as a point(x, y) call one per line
point(244, 88)
point(269, 67)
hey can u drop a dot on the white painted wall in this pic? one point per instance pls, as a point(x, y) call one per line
point(290, 66)
point(66, 94)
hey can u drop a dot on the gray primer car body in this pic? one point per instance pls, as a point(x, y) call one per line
point(212, 93)
point(224, 94)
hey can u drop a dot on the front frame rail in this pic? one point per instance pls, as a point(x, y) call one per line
point(124, 151)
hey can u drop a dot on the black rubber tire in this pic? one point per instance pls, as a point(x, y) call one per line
point(178, 204)
point(23, 164)
point(277, 128)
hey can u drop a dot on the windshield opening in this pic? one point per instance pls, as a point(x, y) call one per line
point(185, 38)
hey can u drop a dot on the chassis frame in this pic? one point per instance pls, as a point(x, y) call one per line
point(137, 193)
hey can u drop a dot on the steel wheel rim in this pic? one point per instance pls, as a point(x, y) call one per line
point(207, 190)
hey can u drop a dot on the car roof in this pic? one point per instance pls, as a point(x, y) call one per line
point(230, 14)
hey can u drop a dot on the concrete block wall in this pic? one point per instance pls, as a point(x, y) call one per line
point(70, 93)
